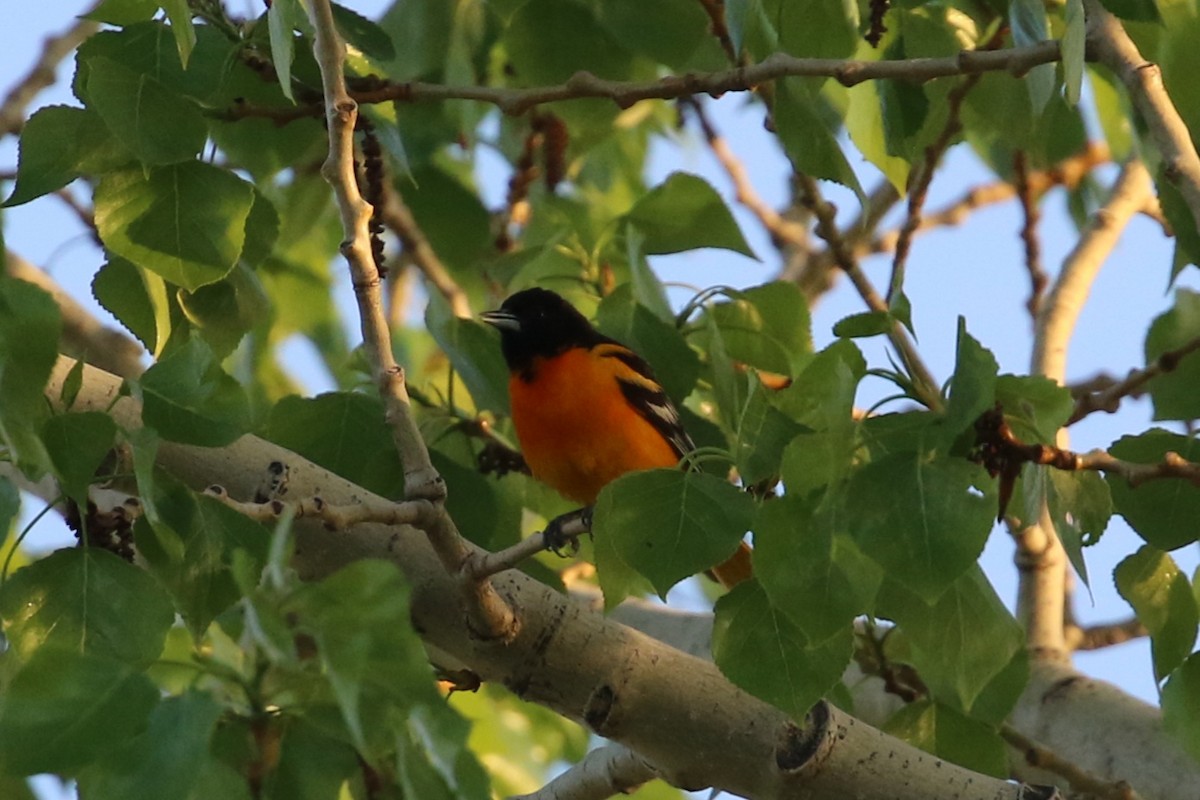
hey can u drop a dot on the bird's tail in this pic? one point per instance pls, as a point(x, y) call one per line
point(735, 569)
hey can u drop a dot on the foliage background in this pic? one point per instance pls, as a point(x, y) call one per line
point(974, 270)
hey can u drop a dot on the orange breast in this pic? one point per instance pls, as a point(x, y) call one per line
point(576, 429)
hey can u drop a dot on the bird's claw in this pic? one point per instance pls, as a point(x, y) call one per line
point(563, 532)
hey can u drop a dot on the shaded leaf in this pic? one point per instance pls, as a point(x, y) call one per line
point(58, 145)
point(922, 519)
point(77, 444)
point(669, 524)
point(1174, 392)
point(187, 398)
point(1180, 698)
point(64, 709)
point(186, 222)
point(1166, 513)
point(1162, 598)
point(87, 600)
point(685, 213)
point(156, 124)
point(944, 732)
point(764, 653)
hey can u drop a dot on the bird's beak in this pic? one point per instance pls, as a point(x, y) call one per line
point(502, 320)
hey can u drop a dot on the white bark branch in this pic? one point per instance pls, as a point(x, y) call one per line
point(1041, 560)
point(674, 710)
point(603, 772)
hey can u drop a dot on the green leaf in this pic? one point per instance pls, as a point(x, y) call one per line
point(669, 524)
point(675, 364)
point(814, 28)
point(1161, 595)
point(944, 732)
point(30, 324)
point(186, 222)
point(187, 398)
point(59, 144)
point(1134, 10)
point(156, 124)
point(10, 504)
point(136, 302)
point(922, 519)
point(1034, 406)
point(474, 352)
point(216, 542)
point(182, 27)
point(77, 445)
point(973, 387)
point(548, 41)
point(685, 213)
point(763, 431)
point(810, 144)
point(1174, 392)
point(766, 327)
point(87, 600)
point(64, 709)
point(123, 12)
point(960, 643)
point(763, 652)
point(863, 324)
point(822, 398)
point(1180, 699)
point(1166, 513)
point(1073, 42)
point(282, 17)
point(1187, 237)
point(344, 432)
point(312, 764)
point(364, 34)
point(1030, 26)
point(225, 311)
point(1080, 505)
point(812, 573)
point(670, 31)
point(371, 657)
point(167, 759)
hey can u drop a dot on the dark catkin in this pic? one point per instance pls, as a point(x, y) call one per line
point(372, 189)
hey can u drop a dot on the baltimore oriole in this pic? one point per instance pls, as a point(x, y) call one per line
point(586, 408)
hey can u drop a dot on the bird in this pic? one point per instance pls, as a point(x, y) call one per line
point(587, 409)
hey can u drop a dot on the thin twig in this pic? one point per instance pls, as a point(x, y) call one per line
point(921, 179)
point(718, 27)
point(54, 50)
point(1111, 46)
point(399, 218)
point(1041, 757)
point(1108, 398)
point(848, 72)
point(925, 384)
point(1097, 637)
point(1038, 279)
point(419, 513)
point(1002, 452)
point(783, 231)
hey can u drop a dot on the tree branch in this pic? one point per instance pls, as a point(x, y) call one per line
point(1109, 398)
point(848, 72)
point(54, 50)
point(1041, 594)
point(622, 684)
point(604, 772)
point(1097, 637)
point(925, 384)
point(491, 617)
point(1112, 47)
